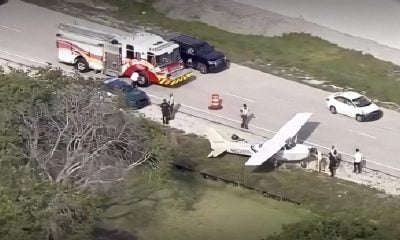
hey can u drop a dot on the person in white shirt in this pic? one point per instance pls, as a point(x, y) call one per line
point(134, 78)
point(244, 113)
point(334, 152)
point(171, 103)
point(357, 161)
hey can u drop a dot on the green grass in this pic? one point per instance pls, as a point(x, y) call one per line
point(187, 204)
point(320, 193)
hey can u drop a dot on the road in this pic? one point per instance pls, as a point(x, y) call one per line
point(27, 34)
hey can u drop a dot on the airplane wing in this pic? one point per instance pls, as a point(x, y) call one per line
point(217, 142)
point(273, 145)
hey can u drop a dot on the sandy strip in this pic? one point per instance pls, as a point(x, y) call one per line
point(241, 18)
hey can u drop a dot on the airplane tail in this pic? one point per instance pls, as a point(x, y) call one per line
point(217, 142)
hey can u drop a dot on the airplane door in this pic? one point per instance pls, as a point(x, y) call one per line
point(112, 64)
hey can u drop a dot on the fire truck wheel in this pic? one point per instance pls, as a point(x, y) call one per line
point(143, 81)
point(202, 68)
point(81, 65)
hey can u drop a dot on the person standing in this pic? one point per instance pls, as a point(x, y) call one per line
point(134, 78)
point(334, 151)
point(165, 110)
point(318, 163)
point(171, 103)
point(357, 161)
point(332, 162)
point(244, 113)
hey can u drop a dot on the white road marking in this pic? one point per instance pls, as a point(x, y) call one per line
point(22, 57)
point(233, 95)
point(361, 133)
point(10, 28)
point(270, 131)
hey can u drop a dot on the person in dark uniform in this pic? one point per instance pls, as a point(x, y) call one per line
point(165, 110)
point(332, 162)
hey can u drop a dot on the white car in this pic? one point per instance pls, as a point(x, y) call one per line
point(354, 105)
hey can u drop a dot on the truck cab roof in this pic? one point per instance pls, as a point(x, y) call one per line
point(200, 54)
point(188, 40)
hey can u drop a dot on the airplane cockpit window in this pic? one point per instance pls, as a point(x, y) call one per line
point(290, 143)
point(256, 147)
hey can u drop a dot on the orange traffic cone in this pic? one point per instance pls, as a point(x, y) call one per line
point(216, 102)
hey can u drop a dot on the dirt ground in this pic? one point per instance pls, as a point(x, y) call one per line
point(232, 16)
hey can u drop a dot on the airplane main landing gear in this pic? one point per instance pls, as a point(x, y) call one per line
point(274, 162)
point(303, 164)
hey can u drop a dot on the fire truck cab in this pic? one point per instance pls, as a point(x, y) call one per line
point(153, 58)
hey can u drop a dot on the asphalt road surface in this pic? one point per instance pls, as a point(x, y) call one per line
point(27, 35)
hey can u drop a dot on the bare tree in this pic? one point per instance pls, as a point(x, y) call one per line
point(78, 139)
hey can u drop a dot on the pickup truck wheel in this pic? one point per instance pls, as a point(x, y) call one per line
point(359, 118)
point(332, 109)
point(202, 68)
point(143, 81)
point(81, 65)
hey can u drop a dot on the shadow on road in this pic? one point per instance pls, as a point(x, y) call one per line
point(307, 130)
point(250, 117)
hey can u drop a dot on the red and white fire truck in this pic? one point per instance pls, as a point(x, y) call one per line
point(153, 58)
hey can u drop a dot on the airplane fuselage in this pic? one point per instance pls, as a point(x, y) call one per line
point(296, 153)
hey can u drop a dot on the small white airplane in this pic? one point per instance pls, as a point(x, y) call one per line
point(282, 147)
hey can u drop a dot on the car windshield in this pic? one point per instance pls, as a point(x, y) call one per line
point(361, 102)
point(167, 58)
point(204, 48)
point(126, 88)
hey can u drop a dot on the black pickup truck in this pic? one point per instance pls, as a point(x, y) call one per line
point(200, 55)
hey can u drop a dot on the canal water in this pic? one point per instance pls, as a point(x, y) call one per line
point(184, 206)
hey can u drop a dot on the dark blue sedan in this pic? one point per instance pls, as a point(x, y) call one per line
point(134, 97)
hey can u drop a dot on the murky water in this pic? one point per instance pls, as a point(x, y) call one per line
point(191, 208)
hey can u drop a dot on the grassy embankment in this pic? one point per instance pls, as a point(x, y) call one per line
point(182, 204)
point(297, 54)
point(323, 195)
point(178, 206)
